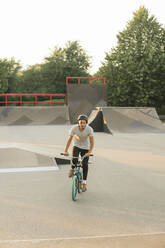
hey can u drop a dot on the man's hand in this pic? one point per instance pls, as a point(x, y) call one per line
point(87, 155)
point(66, 154)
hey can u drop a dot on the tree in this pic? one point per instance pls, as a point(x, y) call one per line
point(49, 77)
point(77, 62)
point(69, 61)
point(53, 71)
point(14, 76)
point(31, 80)
point(9, 70)
point(4, 72)
point(136, 67)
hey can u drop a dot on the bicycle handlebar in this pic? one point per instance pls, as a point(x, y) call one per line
point(91, 155)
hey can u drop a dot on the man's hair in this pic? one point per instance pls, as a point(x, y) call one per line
point(83, 117)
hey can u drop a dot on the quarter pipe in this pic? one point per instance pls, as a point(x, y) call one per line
point(126, 120)
point(83, 98)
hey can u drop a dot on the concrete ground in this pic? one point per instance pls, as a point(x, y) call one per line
point(123, 207)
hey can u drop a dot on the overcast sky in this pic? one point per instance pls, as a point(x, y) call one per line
point(30, 29)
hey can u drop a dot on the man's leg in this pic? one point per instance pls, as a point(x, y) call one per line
point(85, 169)
point(75, 154)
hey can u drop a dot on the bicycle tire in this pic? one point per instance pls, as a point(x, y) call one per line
point(74, 188)
point(79, 182)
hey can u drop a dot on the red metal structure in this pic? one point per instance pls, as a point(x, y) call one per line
point(5, 99)
point(89, 78)
point(51, 101)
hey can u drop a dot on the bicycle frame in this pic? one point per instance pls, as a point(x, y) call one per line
point(77, 176)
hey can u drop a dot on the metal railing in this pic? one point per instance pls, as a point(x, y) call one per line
point(6, 101)
point(89, 78)
point(19, 99)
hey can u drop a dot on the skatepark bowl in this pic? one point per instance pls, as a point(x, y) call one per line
point(124, 204)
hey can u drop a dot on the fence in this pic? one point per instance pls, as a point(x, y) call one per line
point(89, 78)
point(6, 99)
point(19, 99)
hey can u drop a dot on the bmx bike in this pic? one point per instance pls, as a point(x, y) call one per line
point(77, 178)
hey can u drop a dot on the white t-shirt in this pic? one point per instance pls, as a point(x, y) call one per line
point(81, 138)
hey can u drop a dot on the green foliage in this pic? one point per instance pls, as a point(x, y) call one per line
point(77, 62)
point(49, 77)
point(31, 80)
point(161, 110)
point(135, 69)
point(4, 72)
point(8, 73)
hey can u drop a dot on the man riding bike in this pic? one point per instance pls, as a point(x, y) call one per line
point(83, 139)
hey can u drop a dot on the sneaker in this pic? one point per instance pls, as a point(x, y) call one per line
point(71, 172)
point(84, 187)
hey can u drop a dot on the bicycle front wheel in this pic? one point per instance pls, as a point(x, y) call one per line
point(79, 182)
point(74, 188)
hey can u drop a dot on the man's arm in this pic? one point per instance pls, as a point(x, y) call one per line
point(91, 139)
point(67, 145)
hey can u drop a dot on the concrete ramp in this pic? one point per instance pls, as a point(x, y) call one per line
point(95, 121)
point(16, 158)
point(128, 120)
point(83, 98)
point(56, 115)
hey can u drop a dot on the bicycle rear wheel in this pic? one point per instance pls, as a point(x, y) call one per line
point(74, 188)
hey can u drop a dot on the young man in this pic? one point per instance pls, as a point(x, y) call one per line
point(83, 139)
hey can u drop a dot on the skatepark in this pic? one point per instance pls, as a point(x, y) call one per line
point(124, 203)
